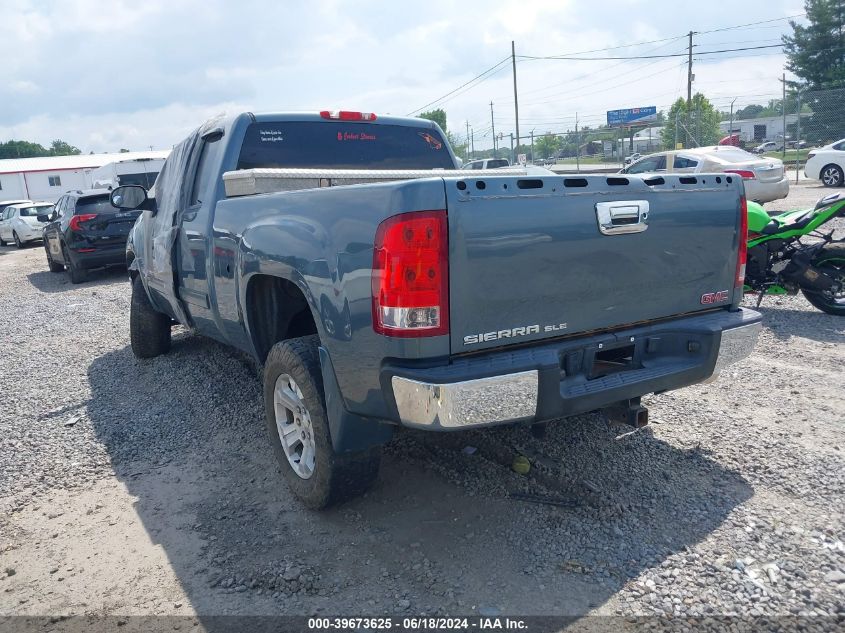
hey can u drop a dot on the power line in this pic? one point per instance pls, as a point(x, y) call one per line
point(598, 59)
point(476, 78)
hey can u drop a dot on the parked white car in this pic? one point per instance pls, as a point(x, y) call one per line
point(764, 178)
point(827, 164)
point(19, 222)
point(487, 163)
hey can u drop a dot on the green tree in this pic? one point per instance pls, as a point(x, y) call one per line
point(696, 128)
point(438, 116)
point(60, 148)
point(22, 149)
point(816, 53)
point(546, 145)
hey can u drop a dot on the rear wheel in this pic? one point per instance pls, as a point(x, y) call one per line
point(149, 330)
point(831, 260)
point(18, 242)
point(2, 241)
point(832, 176)
point(298, 425)
point(52, 265)
point(76, 273)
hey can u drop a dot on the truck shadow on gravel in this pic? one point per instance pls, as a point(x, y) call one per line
point(46, 281)
point(449, 528)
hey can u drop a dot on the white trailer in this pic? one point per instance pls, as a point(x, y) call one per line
point(137, 171)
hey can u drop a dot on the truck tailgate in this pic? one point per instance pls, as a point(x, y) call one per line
point(528, 259)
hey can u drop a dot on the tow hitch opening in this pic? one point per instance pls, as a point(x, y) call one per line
point(629, 412)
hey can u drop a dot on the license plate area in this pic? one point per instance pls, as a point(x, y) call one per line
point(613, 360)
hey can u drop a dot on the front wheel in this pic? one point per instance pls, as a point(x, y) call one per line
point(831, 261)
point(295, 409)
point(832, 176)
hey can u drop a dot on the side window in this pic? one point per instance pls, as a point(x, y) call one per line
point(682, 162)
point(652, 163)
point(202, 177)
point(60, 206)
point(839, 146)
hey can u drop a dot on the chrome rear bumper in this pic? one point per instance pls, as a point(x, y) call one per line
point(521, 395)
point(469, 403)
point(736, 344)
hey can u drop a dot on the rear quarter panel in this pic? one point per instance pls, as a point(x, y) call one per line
point(322, 240)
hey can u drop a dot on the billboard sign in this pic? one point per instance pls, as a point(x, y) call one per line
point(632, 116)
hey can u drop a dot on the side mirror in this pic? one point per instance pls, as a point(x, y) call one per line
point(128, 197)
point(44, 217)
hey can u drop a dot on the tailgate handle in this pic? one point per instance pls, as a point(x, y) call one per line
point(622, 216)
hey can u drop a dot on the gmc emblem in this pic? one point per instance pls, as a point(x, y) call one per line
point(714, 297)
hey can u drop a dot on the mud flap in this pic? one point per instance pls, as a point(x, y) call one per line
point(350, 432)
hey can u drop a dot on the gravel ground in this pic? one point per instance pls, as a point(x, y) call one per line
point(131, 487)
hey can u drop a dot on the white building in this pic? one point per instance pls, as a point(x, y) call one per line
point(769, 128)
point(48, 177)
point(645, 141)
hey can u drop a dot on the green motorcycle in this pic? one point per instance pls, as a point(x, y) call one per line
point(779, 263)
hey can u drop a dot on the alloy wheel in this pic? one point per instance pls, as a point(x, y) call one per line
point(293, 423)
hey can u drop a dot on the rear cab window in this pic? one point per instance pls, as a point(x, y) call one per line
point(342, 145)
point(99, 204)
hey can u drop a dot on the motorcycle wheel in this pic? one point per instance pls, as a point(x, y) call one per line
point(831, 260)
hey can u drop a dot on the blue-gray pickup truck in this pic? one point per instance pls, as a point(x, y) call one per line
point(380, 287)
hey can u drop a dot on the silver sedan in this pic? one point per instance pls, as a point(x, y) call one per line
point(764, 178)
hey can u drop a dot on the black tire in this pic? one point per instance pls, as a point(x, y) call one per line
point(831, 175)
point(149, 331)
point(335, 477)
point(18, 242)
point(51, 264)
point(831, 260)
point(2, 242)
point(77, 274)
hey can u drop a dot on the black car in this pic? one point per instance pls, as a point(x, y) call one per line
point(85, 232)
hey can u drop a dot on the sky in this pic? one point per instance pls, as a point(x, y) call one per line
point(109, 75)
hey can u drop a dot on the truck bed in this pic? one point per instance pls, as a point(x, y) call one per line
point(247, 182)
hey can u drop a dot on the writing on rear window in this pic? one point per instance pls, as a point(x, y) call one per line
point(271, 136)
point(342, 145)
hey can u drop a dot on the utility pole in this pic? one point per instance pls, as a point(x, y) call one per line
point(783, 107)
point(577, 146)
point(515, 99)
point(731, 125)
point(493, 124)
point(467, 151)
point(472, 141)
point(513, 156)
point(533, 158)
point(689, 73)
point(690, 77)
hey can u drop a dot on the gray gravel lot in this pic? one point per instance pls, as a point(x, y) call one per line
point(130, 487)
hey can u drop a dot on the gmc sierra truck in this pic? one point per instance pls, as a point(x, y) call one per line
point(380, 287)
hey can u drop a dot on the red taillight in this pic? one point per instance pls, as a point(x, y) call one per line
point(743, 244)
point(745, 174)
point(347, 115)
point(411, 275)
point(76, 220)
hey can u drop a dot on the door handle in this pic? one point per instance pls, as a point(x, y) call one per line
point(622, 216)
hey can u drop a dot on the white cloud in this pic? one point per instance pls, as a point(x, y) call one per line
point(127, 74)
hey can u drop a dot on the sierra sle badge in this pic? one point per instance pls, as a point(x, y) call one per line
point(514, 332)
